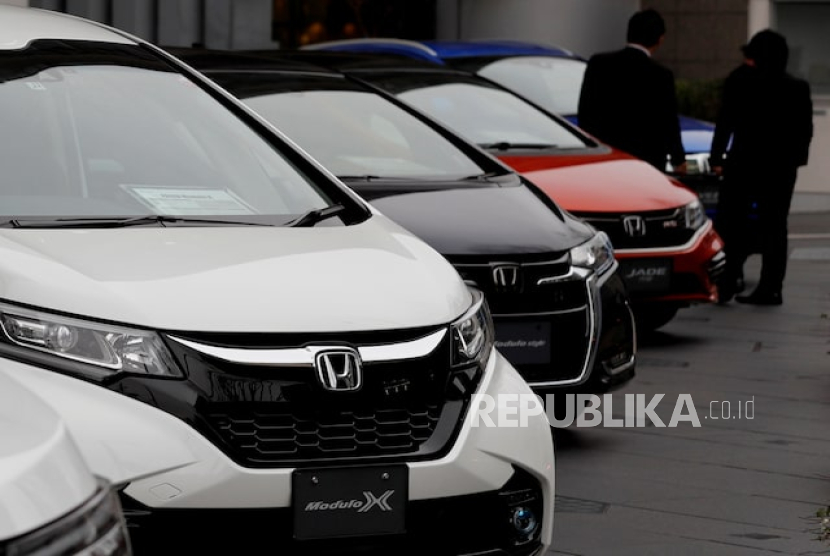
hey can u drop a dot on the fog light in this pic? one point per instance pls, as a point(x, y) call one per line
point(524, 522)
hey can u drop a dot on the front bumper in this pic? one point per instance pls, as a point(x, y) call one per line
point(164, 464)
point(693, 270)
point(610, 358)
point(595, 343)
point(474, 524)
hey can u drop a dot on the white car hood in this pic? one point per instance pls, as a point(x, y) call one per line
point(42, 475)
point(370, 276)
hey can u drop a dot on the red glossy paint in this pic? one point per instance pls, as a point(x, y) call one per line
point(613, 182)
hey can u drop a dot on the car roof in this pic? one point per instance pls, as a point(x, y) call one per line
point(217, 60)
point(347, 62)
point(20, 26)
point(438, 51)
point(464, 49)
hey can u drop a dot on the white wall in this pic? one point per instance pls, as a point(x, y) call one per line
point(15, 2)
point(583, 26)
point(805, 26)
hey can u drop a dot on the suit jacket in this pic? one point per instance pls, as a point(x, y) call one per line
point(628, 101)
point(768, 117)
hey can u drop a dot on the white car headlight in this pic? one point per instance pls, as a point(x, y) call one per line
point(472, 334)
point(596, 254)
point(97, 528)
point(95, 350)
point(694, 215)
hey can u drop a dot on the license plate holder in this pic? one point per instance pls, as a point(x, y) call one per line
point(350, 501)
point(525, 342)
point(646, 275)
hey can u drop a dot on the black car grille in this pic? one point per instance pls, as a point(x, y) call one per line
point(570, 343)
point(272, 416)
point(261, 436)
point(526, 295)
point(560, 301)
point(663, 228)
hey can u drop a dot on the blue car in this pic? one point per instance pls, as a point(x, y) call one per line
point(549, 76)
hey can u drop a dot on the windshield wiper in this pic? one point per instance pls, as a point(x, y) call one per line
point(94, 222)
point(312, 217)
point(482, 177)
point(365, 177)
point(372, 177)
point(507, 146)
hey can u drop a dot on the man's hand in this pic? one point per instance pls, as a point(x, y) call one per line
point(681, 168)
point(718, 170)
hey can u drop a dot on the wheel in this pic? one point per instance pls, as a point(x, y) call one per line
point(652, 317)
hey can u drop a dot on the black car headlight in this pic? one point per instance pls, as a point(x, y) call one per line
point(596, 254)
point(694, 215)
point(94, 350)
point(472, 334)
point(97, 528)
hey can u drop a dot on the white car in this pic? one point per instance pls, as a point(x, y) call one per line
point(254, 355)
point(50, 503)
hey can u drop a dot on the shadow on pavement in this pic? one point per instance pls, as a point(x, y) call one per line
point(660, 338)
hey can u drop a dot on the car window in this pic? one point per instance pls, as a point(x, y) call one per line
point(552, 83)
point(111, 130)
point(487, 115)
point(351, 131)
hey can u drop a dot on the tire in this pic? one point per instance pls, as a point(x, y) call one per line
point(653, 317)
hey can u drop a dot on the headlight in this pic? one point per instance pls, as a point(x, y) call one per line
point(596, 254)
point(95, 529)
point(94, 350)
point(695, 216)
point(472, 334)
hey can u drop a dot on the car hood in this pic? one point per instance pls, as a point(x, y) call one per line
point(611, 182)
point(42, 475)
point(473, 220)
point(370, 276)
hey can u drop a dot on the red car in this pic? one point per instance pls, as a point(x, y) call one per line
point(669, 253)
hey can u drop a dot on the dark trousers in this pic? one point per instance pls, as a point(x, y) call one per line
point(745, 229)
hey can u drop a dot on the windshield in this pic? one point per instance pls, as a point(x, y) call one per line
point(349, 130)
point(552, 83)
point(95, 130)
point(489, 116)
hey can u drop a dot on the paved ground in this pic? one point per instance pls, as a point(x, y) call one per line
point(734, 486)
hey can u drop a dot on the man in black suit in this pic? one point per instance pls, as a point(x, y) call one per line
point(628, 100)
point(768, 116)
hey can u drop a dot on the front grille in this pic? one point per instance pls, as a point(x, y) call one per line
point(569, 347)
point(559, 303)
point(527, 295)
point(663, 228)
point(264, 435)
point(282, 415)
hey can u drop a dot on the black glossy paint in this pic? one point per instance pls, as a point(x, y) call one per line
point(504, 217)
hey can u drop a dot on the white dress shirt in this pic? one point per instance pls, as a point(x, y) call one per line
point(639, 47)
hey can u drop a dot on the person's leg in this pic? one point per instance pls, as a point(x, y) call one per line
point(774, 218)
point(774, 209)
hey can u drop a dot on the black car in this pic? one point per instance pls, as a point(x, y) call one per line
point(561, 311)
